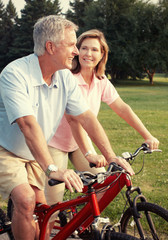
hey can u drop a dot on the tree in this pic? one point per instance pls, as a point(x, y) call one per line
point(94, 16)
point(147, 57)
point(9, 17)
point(115, 19)
point(136, 32)
point(77, 14)
point(33, 10)
point(162, 20)
point(120, 34)
point(2, 33)
point(2, 12)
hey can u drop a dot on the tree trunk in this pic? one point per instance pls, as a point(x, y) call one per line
point(150, 75)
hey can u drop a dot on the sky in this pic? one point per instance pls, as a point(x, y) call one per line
point(19, 4)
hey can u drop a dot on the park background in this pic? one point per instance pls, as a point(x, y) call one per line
point(137, 35)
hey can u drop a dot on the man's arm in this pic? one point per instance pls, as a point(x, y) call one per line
point(37, 144)
point(96, 132)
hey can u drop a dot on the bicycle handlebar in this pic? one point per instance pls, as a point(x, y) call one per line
point(89, 178)
point(129, 156)
point(144, 147)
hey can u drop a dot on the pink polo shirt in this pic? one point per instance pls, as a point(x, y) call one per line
point(99, 91)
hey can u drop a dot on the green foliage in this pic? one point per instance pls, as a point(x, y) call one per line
point(163, 33)
point(77, 13)
point(2, 12)
point(135, 31)
point(8, 20)
point(33, 10)
point(121, 36)
point(19, 31)
point(94, 9)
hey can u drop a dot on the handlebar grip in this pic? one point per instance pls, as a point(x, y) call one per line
point(53, 182)
point(145, 145)
point(92, 165)
point(114, 167)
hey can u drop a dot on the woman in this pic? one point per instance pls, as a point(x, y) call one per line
point(89, 71)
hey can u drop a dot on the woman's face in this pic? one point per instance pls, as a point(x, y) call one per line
point(90, 53)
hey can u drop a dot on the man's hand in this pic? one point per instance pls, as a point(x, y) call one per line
point(124, 164)
point(69, 177)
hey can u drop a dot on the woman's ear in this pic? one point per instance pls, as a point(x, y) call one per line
point(102, 55)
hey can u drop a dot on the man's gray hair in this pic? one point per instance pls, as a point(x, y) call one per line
point(50, 28)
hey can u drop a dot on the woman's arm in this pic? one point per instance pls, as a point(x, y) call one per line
point(125, 112)
point(96, 132)
point(81, 138)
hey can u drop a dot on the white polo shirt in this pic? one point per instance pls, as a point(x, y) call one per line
point(23, 92)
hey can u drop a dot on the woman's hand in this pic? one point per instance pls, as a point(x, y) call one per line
point(98, 160)
point(152, 142)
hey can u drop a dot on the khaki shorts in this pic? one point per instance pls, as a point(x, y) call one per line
point(55, 193)
point(15, 171)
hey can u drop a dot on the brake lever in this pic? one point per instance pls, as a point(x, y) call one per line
point(154, 150)
point(113, 167)
point(146, 149)
point(92, 165)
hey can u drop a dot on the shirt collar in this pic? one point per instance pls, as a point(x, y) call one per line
point(36, 74)
point(82, 82)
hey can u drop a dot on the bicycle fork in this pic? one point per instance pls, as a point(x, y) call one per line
point(137, 215)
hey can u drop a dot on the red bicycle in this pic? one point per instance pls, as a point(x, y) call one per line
point(81, 216)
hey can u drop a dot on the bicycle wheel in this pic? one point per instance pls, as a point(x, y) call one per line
point(10, 209)
point(108, 233)
point(5, 227)
point(120, 236)
point(159, 216)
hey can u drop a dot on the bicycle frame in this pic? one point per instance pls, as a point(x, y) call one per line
point(88, 213)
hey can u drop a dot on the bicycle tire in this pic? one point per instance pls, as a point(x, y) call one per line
point(10, 209)
point(159, 217)
point(120, 236)
point(5, 226)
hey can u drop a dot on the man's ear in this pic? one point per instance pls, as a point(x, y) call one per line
point(50, 46)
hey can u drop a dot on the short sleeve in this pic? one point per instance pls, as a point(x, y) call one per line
point(109, 93)
point(14, 93)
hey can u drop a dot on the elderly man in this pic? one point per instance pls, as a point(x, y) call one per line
point(35, 91)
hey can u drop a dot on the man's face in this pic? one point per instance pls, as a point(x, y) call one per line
point(66, 50)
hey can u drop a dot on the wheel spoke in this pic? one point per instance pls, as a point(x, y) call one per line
point(153, 220)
